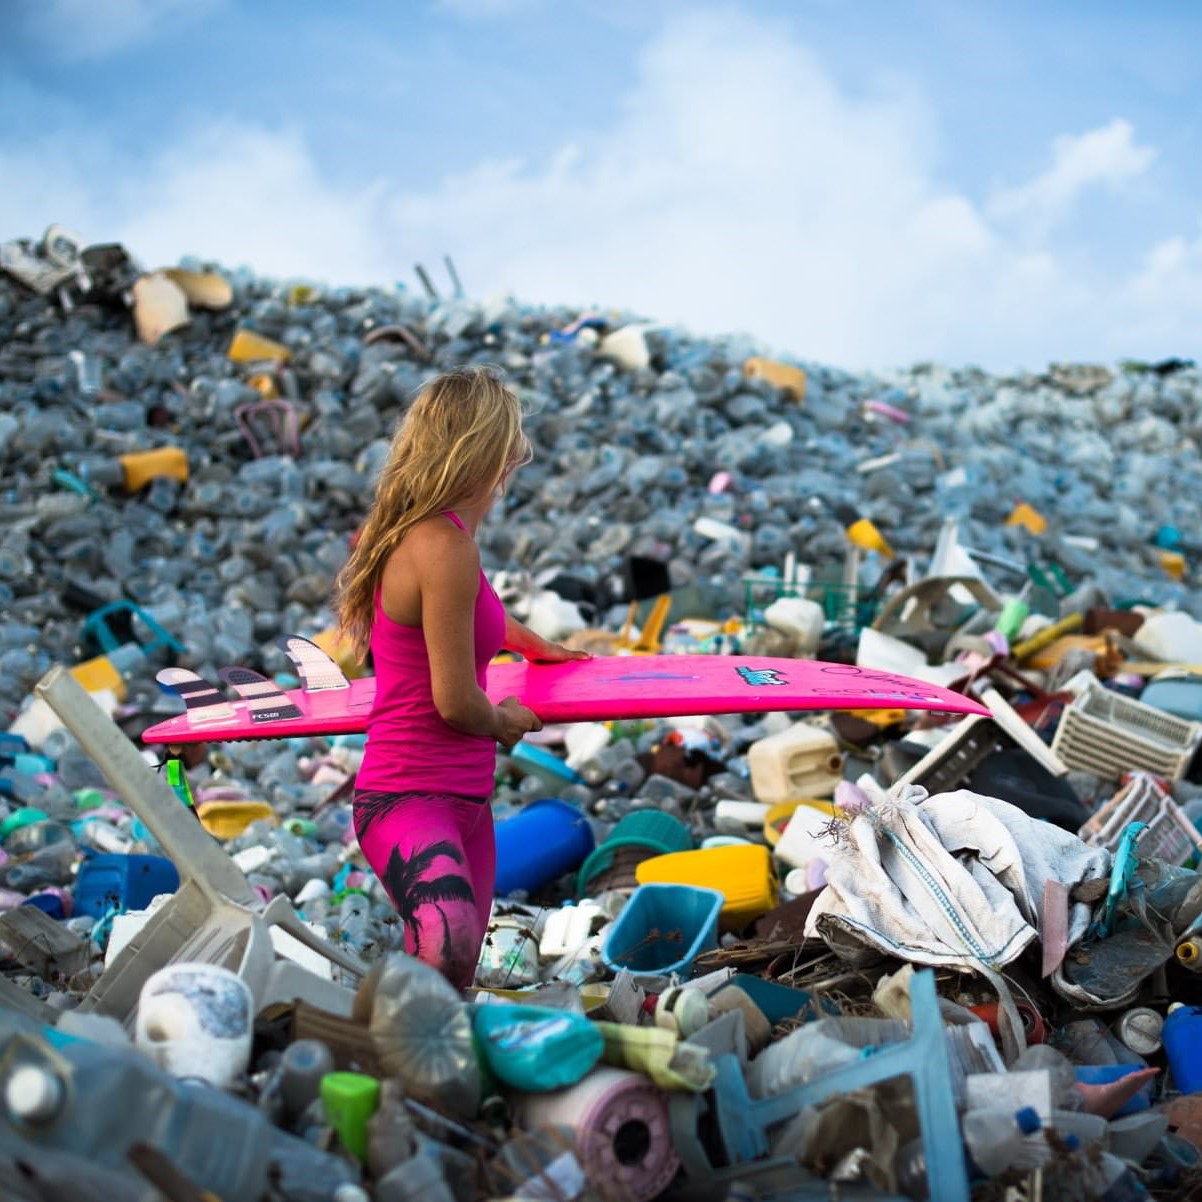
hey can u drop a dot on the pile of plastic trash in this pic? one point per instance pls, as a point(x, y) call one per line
point(876, 953)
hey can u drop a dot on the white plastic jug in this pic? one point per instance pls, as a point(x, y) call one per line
point(803, 761)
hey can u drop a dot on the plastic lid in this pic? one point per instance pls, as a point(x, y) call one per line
point(33, 1094)
point(1028, 1120)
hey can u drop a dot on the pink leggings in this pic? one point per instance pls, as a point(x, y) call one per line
point(436, 857)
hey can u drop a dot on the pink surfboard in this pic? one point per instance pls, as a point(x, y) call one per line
point(611, 687)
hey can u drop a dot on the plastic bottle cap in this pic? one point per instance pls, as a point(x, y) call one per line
point(33, 1094)
point(1028, 1120)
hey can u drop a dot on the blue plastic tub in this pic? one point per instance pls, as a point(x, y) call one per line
point(663, 929)
point(126, 882)
point(539, 844)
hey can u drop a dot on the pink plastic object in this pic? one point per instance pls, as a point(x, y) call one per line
point(622, 1132)
point(610, 687)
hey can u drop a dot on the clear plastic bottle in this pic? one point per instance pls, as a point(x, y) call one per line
point(998, 1140)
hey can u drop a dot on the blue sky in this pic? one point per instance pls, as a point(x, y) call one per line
point(867, 184)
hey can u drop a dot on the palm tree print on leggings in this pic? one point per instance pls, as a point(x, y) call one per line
point(411, 886)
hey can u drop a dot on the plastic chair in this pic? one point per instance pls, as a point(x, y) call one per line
point(740, 1124)
point(215, 917)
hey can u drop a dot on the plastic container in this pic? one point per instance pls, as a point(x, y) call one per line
point(805, 838)
point(803, 761)
point(998, 1140)
point(535, 1049)
point(195, 1020)
point(647, 830)
point(1182, 1038)
point(1170, 836)
point(1106, 734)
point(540, 843)
point(742, 874)
point(663, 929)
point(127, 882)
point(97, 1101)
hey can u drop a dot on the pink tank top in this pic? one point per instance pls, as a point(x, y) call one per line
point(409, 746)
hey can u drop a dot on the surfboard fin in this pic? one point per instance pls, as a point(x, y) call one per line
point(203, 701)
point(316, 669)
point(265, 700)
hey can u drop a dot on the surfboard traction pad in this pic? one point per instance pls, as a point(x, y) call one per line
point(660, 686)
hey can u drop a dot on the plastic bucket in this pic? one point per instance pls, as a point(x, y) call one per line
point(659, 833)
point(539, 844)
point(663, 929)
point(742, 874)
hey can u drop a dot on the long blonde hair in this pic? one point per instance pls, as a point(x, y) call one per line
point(459, 439)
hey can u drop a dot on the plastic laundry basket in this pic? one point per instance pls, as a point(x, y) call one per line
point(658, 833)
point(663, 929)
point(741, 873)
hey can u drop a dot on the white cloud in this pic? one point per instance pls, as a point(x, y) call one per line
point(79, 30)
point(738, 188)
point(1106, 156)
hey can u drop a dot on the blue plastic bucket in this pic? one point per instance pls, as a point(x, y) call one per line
point(540, 844)
point(663, 929)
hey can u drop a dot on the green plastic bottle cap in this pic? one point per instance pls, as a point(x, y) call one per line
point(350, 1099)
point(25, 816)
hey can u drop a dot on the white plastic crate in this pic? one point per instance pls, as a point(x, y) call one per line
point(1170, 836)
point(1106, 734)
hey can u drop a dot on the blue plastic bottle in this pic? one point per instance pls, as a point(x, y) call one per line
point(1182, 1037)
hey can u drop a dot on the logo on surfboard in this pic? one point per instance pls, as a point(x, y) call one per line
point(758, 677)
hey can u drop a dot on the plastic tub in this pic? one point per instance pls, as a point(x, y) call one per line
point(128, 882)
point(542, 842)
point(658, 833)
point(743, 875)
point(663, 929)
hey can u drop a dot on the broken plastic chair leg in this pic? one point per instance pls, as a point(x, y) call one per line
point(215, 917)
point(739, 1125)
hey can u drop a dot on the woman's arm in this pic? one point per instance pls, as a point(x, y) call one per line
point(446, 566)
point(532, 646)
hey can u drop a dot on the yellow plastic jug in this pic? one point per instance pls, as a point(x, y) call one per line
point(741, 872)
point(249, 347)
point(140, 467)
point(780, 375)
point(228, 819)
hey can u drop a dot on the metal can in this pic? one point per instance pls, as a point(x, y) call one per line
point(1140, 1029)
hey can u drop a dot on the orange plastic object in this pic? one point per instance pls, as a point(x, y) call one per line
point(881, 718)
point(867, 537)
point(741, 872)
point(1028, 517)
point(97, 675)
point(228, 819)
point(1173, 562)
point(249, 347)
point(780, 375)
point(264, 384)
point(1053, 653)
point(140, 467)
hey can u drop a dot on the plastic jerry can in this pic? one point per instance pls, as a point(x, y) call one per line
point(140, 467)
point(803, 761)
point(1182, 1038)
point(742, 874)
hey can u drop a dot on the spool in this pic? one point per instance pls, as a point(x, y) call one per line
point(622, 1130)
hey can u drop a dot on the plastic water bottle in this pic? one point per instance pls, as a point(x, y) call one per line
point(998, 1140)
point(1182, 1038)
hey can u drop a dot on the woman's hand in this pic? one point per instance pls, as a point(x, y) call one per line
point(556, 653)
point(514, 720)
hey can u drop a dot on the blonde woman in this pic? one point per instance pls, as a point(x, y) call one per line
point(414, 593)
